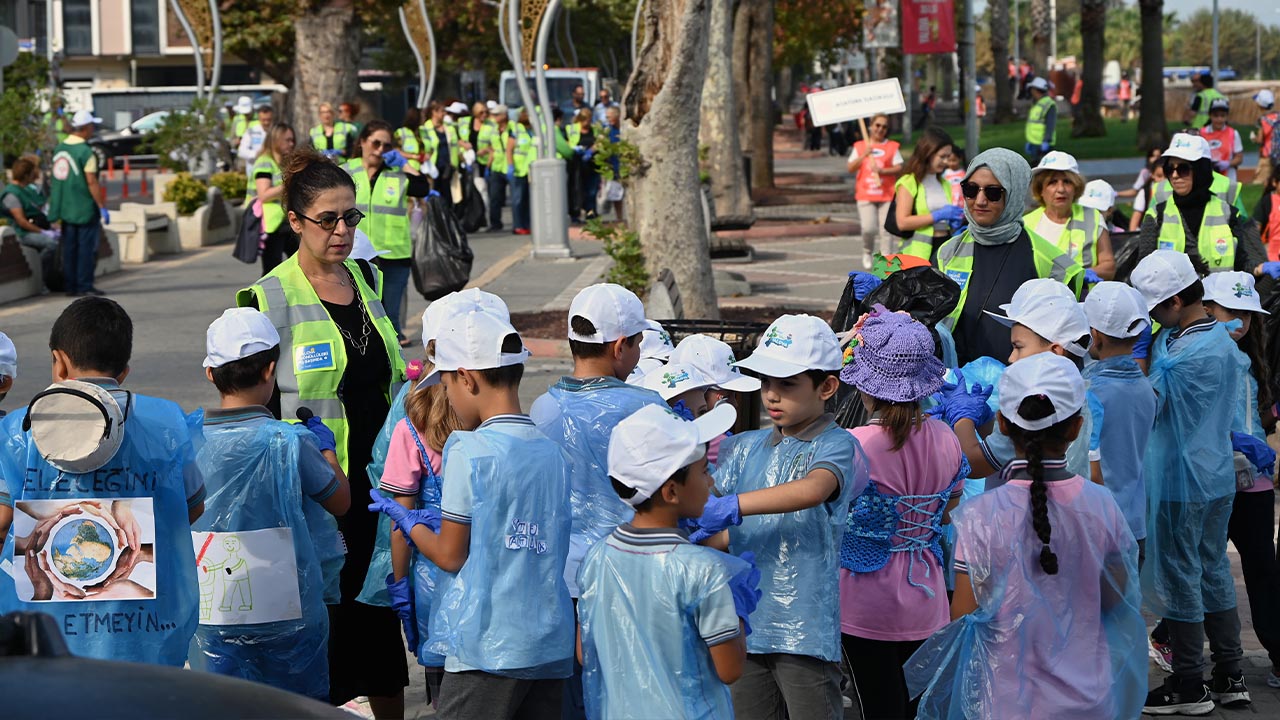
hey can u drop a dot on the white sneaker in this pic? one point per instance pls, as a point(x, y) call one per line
point(866, 260)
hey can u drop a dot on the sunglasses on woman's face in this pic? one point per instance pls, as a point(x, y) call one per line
point(378, 144)
point(994, 193)
point(1177, 169)
point(329, 220)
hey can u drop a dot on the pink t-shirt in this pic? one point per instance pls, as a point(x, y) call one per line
point(881, 605)
point(404, 468)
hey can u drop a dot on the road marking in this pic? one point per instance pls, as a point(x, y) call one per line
point(497, 269)
point(589, 276)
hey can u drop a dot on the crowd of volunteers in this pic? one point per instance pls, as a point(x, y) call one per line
point(1035, 471)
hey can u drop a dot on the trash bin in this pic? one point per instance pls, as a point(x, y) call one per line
point(742, 337)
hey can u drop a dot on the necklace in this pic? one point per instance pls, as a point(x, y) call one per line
point(342, 282)
point(362, 346)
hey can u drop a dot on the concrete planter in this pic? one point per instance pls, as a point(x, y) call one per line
point(21, 274)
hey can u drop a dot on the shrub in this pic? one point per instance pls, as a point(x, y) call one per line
point(187, 192)
point(623, 245)
point(232, 184)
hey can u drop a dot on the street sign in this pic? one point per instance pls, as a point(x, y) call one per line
point(856, 101)
point(8, 47)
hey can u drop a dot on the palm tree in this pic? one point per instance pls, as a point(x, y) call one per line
point(1093, 26)
point(1153, 131)
point(1000, 51)
point(1041, 27)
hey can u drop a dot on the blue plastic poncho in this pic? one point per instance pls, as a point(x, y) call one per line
point(579, 416)
point(251, 472)
point(798, 553)
point(374, 591)
point(156, 622)
point(507, 610)
point(1070, 645)
point(1190, 474)
point(647, 615)
point(425, 576)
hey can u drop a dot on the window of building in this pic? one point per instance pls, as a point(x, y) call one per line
point(146, 27)
point(77, 27)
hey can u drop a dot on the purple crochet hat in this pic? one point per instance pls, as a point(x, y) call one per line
point(894, 360)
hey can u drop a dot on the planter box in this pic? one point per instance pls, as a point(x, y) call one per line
point(140, 232)
point(21, 274)
point(211, 224)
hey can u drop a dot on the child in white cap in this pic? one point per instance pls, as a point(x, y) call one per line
point(655, 350)
point(1265, 134)
point(504, 620)
point(263, 473)
point(1186, 579)
point(663, 620)
point(683, 386)
point(715, 359)
point(786, 497)
point(1047, 604)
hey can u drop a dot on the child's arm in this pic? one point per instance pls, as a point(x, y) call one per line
point(728, 657)
point(819, 486)
point(449, 549)
point(1095, 472)
point(400, 553)
point(340, 501)
point(963, 601)
point(971, 443)
point(578, 644)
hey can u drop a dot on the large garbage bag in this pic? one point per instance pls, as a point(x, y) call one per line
point(1125, 248)
point(470, 210)
point(441, 256)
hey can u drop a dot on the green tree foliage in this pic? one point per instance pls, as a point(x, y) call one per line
point(186, 135)
point(187, 193)
point(1191, 42)
point(23, 125)
point(805, 30)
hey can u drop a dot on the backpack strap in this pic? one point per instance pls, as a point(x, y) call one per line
point(367, 271)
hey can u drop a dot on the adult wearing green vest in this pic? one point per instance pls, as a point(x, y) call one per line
point(22, 203)
point(332, 139)
point(266, 184)
point(441, 141)
point(73, 201)
point(494, 152)
point(384, 183)
point(1056, 187)
point(521, 153)
point(584, 129)
point(1199, 223)
point(922, 196)
point(1203, 95)
point(1042, 121)
point(238, 122)
point(339, 359)
point(996, 254)
point(409, 138)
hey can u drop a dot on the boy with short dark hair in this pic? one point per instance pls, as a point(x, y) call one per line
point(662, 620)
point(264, 476)
point(504, 621)
point(151, 485)
point(787, 494)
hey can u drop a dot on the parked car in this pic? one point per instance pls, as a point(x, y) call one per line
point(126, 141)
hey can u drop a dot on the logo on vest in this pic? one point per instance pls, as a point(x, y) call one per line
point(524, 536)
point(959, 277)
point(63, 164)
point(1165, 245)
point(313, 357)
point(1220, 245)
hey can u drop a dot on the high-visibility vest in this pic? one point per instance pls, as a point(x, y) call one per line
point(237, 126)
point(573, 134)
point(451, 133)
point(272, 210)
point(313, 354)
point(431, 140)
point(1222, 186)
point(1037, 119)
point(1080, 238)
point(955, 260)
point(920, 244)
point(1214, 240)
point(320, 141)
point(485, 139)
point(526, 151)
point(1207, 96)
point(410, 146)
point(386, 208)
point(497, 140)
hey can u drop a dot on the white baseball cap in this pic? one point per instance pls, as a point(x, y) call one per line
point(471, 298)
point(1057, 160)
point(1233, 290)
point(237, 334)
point(655, 342)
point(653, 443)
point(1222, 104)
point(1053, 376)
point(1187, 147)
point(676, 379)
point(244, 105)
point(362, 248)
point(1038, 84)
point(794, 344)
point(1049, 309)
point(643, 367)
point(1099, 195)
point(715, 359)
point(490, 105)
point(8, 358)
point(1161, 275)
point(1116, 310)
point(615, 312)
point(456, 108)
point(1265, 99)
point(84, 117)
point(471, 338)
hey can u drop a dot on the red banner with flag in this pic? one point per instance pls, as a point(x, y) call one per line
point(928, 27)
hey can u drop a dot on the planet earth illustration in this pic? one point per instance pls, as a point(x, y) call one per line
point(82, 551)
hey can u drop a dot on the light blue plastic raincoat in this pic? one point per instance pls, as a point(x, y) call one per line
point(426, 576)
point(374, 591)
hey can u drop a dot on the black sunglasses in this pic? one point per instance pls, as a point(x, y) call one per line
point(329, 221)
point(378, 144)
point(994, 193)
point(1177, 169)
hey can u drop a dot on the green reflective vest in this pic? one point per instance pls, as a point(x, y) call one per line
point(920, 244)
point(431, 139)
point(1214, 240)
point(955, 260)
point(1207, 96)
point(272, 210)
point(1037, 119)
point(409, 141)
point(573, 134)
point(342, 137)
point(484, 139)
point(1222, 186)
point(497, 142)
point(386, 208)
point(236, 126)
point(69, 197)
point(313, 354)
point(1080, 237)
point(526, 151)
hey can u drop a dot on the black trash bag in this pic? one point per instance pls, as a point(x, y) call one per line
point(52, 272)
point(441, 256)
point(1125, 248)
point(470, 211)
point(249, 239)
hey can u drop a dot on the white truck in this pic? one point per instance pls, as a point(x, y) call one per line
point(560, 85)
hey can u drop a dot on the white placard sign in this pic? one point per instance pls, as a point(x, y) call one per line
point(856, 101)
point(247, 577)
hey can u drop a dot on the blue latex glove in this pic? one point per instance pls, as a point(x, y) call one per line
point(588, 155)
point(957, 403)
point(511, 175)
point(432, 193)
point(745, 587)
point(404, 518)
point(1044, 147)
point(106, 215)
point(323, 435)
point(579, 150)
point(947, 214)
point(1258, 452)
point(863, 284)
point(394, 159)
point(1272, 268)
point(1091, 277)
point(402, 602)
point(1142, 348)
point(718, 514)
point(1029, 148)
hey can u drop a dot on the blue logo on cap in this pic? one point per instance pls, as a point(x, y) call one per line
point(776, 338)
point(672, 379)
point(1242, 291)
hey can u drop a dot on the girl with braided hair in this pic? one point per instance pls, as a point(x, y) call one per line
point(1045, 619)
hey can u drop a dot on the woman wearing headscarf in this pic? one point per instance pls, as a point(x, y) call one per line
point(1056, 187)
point(996, 254)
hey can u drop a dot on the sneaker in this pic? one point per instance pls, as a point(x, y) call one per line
point(1162, 653)
point(523, 231)
point(1169, 699)
point(866, 259)
point(1229, 690)
point(1273, 678)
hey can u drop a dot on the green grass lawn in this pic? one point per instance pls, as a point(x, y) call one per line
point(1121, 140)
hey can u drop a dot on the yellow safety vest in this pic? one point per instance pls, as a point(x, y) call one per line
point(341, 136)
point(386, 208)
point(1036, 122)
point(272, 210)
point(313, 354)
point(1207, 96)
point(955, 260)
point(1215, 242)
point(237, 126)
point(1222, 186)
point(573, 133)
point(485, 138)
point(920, 244)
point(526, 151)
point(1080, 237)
point(497, 139)
point(408, 139)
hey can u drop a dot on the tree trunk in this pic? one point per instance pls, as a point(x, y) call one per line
point(761, 100)
point(1153, 131)
point(741, 57)
point(662, 101)
point(1000, 51)
point(1041, 27)
point(327, 59)
point(1093, 26)
point(718, 129)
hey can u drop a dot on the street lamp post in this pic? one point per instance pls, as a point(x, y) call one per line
point(1214, 70)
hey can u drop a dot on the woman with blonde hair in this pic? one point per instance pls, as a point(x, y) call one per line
point(266, 186)
point(1081, 232)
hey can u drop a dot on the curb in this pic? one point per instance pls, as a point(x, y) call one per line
point(547, 348)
